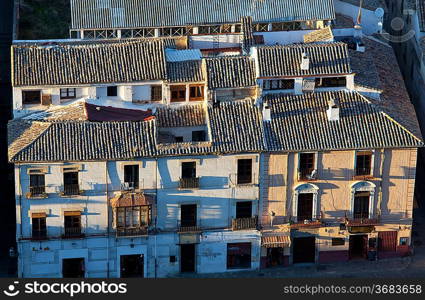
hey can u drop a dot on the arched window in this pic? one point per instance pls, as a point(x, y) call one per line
point(305, 202)
point(362, 200)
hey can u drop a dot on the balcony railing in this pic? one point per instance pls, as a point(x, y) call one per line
point(307, 221)
point(307, 175)
point(189, 226)
point(244, 223)
point(362, 219)
point(39, 235)
point(72, 232)
point(71, 190)
point(363, 173)
point(131, 231)
point(37, 191)
point(189, 183)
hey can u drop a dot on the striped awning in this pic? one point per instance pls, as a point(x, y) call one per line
point(275, 241)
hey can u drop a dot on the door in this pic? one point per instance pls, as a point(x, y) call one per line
point(305, 207)
point(275, 257)
point(132, 266)
point(243, 209)
point(358, 246)
point(387, 243)
point(73, 268)
point(187, 258)
point(361, 205)
point(304, 250)
point(188, 215)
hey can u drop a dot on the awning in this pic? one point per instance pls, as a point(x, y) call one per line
point(129, 199)
point(35, 215)
point(275, 241)
point(73, 213)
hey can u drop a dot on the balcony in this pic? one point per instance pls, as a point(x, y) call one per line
point(131, 231)
point(307, 175)
point(39, 235)
point(37, 192)
point(244, 223)
point(72, 233)
point(362, 219)
point(363, 174)
point(71, 190)
point(189, 183)
point(307, 221)
point(189, 226)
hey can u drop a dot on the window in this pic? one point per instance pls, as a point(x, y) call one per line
point(188, 215)
point(31, 97)
point(338, 241)
point(133, 217)
point(404, 241)
point(198, 136)
point(361, 205)
point(306, 165)
point(112, 91)
point(189, 170)
point(178, 139)
point(68, 93)
point(173, 258)
point(280, 84)
point(305, 207)
point(261, 27)
point(244, 171)
point(331, 82)
point(243, 209)
point(39, 230)
point(70, 183)
point(178, 93)
point(196, 93)
point(239, 256)
point(131, 176)
point(37, 185)
point(156, 93)
point(363, 163)
point(72, 224)
point(188, 179)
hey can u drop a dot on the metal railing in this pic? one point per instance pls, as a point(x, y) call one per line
point(189, 183)
point(363, 172)
point(37, 191)
point(188, 226)
point(244, 223)
point(72, 232)
point(71, 189)
point(132, 231)
point(39, 235)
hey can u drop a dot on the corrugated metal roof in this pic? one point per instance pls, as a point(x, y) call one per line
point(81, 63)
point(325, 59)
point(92, 14)
point(230, 72)
point(173, 55)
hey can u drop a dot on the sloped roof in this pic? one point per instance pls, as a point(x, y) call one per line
point(325, 59)
point(230, 72)
point(421, 11)
point(300, 123)
point(185, 71)
point(182, 116)
point(91, 14)
point(87, 63)
point(363, 65)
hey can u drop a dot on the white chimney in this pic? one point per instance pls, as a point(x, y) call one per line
point(333, 110)
point(267, 114)
point(305, 61)
point(360, 46)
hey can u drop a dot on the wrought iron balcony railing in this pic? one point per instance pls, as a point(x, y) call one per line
point(189, 183)
point(245, 223)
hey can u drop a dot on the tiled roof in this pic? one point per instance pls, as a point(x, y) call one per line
point(363, 65)
point(420, 5)
point(185, 71)
point(86, 14)
point(230, 72)
point(300, 123)
point(87, 63)
point(367, 4)
point(86, 141)
point(325, 59)
point(395, 100)
point(182, 116)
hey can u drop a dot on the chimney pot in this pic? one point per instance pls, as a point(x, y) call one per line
point(305, 61)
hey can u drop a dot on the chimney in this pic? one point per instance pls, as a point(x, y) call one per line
point(267, 114)
point(360, 46)
point(333, 110)
point(305, 61)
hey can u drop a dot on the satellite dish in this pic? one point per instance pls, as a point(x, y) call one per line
point(379, 12)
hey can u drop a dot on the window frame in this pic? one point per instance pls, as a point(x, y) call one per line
point(40, 227)
point(199, 91)
point(135, 175)
point(66, 96)
point(113, 88)
point(178, 89)
point(369, 153)
point(144, 212)
point(32, 102)
point(304, 172)
point(156, 92)
point(240, 179)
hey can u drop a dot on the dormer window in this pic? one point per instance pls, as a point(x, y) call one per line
point(325, 82)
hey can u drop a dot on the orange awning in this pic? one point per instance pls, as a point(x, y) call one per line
point(72, 213)
point(275, 241)
point(38, 215)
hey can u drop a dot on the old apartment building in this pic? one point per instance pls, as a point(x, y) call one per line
point(153, 156)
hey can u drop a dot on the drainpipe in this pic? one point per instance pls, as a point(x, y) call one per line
point(381, 171)
point(156, 213)
point(20, 259)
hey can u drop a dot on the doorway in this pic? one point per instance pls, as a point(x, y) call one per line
point(187, 258)
point(305, 207)
point(358, 246)
point(73, 268)
point(275, 257)
point(132, 266)
point(304, 250)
